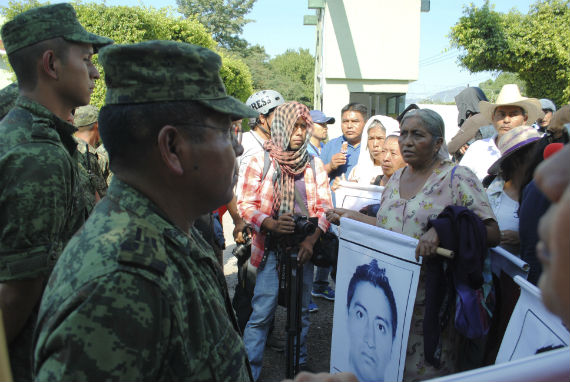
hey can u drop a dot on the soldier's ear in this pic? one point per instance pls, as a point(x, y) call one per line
point(171, 148)
point(49, 64)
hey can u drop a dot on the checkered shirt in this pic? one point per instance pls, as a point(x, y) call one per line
point(255, 199)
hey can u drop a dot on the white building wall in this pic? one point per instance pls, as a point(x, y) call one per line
point(368, 46)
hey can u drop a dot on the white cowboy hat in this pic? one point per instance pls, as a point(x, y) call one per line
point(510, 95)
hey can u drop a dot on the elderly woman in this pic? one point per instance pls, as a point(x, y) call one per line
point(513, 171)
point(414, 195)
point(391, 159)
point(368, 167)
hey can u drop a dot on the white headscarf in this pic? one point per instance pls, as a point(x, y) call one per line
point(365, 163)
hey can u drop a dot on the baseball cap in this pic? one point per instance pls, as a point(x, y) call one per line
point(86, 115)
point(44, 23)
point(547, 104)
point(320, 117)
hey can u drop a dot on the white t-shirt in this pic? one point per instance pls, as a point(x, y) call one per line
point(505, 208)
point(480, 156)
point(252, 145)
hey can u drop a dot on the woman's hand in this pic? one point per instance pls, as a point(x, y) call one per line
point(335, 214)
point(428, 244)
point(509, 237)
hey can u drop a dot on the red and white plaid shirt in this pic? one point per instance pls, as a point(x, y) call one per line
point(255, 199)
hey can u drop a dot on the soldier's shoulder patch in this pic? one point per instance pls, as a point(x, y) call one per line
point(144, 249)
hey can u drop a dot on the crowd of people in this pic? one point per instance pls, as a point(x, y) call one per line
point(110, 254)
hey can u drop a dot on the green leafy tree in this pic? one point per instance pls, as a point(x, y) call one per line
point(258, 62)
point(135, 24)
point(295, 71)
point(491, 88)
point(224, 19)
point(534, 46)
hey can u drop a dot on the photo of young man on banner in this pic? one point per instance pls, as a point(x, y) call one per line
point(376, 290)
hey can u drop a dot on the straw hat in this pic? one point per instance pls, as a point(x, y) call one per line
point(510, 95)
point(467, 131)
point(512, 141)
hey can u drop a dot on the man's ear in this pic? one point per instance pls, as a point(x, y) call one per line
point(50, 65)
point(171, 148)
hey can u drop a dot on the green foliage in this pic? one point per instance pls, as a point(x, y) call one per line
point(534, 46)
point(290, 73)
point(224, 19)
point(135, 24)
point(297, 68)
point(491, 88)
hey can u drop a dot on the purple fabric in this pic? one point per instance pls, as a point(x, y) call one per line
point(525, 142)
point(300, 185)
point(462, 231)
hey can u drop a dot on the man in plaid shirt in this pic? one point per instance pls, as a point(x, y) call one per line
point(268, 202)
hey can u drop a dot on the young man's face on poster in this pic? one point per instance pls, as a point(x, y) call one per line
point(370, 331)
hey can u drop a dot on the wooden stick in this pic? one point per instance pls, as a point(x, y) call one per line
point(445, 252)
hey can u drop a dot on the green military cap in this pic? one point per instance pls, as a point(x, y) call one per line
point(44, 23)
point(162, 71)
point(8, 96)
point(86, 115)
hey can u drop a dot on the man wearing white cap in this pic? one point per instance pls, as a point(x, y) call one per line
point(509, 111)
point(548, 108)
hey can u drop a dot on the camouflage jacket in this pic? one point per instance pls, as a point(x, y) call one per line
point(40, 206)
point(133, 298)
point(89, 159)
point(103, 159)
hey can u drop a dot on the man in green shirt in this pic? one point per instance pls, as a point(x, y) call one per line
point(41, 203)
point(137, 293)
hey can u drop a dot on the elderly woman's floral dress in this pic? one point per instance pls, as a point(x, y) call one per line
point(410, 217)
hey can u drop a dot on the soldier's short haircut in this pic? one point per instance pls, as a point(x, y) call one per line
point(25, 61)
point(358, 107)
point(128, 131)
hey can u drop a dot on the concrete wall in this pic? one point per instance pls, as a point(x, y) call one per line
point(370, 53)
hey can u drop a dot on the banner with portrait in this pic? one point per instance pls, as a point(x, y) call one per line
point(354, 196)
point(376, 284)
point(532, 328)
point(530, 347)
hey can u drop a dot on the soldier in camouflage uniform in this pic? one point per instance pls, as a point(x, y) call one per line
point(40, 209)
point(8, 95)
point(87, 136)
point(137, 293)
point(103, 159)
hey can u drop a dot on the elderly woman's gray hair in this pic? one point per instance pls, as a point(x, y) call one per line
point(376, 123)
point(433, 123)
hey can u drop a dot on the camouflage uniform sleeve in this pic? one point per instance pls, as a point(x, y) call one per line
point(35, 200)
point(116, 328)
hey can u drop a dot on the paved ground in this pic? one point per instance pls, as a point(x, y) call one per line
point(319, 337)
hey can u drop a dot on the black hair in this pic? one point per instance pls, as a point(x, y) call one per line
point(128, 131)
point(24, 61)
point(535, 157)
point(377, 277)
point(257, 121)
point(353, 106)
point(518, 159)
